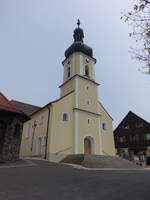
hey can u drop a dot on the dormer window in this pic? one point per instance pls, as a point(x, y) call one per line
point(87, 71)
point(68, 72)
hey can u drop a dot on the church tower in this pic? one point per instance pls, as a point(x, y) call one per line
point(79, 75)
point(76, 123)
point(79, 61)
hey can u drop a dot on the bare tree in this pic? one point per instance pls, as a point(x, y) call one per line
point(139, 18)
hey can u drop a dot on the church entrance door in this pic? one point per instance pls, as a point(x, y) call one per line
point(87, 146)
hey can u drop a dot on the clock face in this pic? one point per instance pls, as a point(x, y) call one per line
point(87, 60)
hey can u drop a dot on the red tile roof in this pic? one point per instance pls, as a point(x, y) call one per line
point(6, 105)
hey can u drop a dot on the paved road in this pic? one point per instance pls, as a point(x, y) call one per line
point(49, 181)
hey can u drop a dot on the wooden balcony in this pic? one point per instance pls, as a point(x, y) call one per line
point(133, 144)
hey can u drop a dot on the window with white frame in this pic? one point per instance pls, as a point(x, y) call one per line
point(104, 126)
point(65, 117)
point(28, 128)
point(42, 119)
point(44, 141)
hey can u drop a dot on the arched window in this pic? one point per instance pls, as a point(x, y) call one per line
point(68, 72)
point(104, 126)
point(41, 120)
point(86, 70)
point(28, 130)
point(65, 117)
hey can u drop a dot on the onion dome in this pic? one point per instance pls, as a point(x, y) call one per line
point(78, 44)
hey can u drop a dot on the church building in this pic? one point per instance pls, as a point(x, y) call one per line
point(76, 123)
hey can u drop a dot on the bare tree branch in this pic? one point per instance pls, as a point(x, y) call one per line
point(139, 19)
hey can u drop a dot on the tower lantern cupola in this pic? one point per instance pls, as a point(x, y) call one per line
point(78, 33)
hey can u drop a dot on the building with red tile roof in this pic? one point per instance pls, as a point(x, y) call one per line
point(6, 105)
point(12, 119)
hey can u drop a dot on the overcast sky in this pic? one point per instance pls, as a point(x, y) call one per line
point(34, 35)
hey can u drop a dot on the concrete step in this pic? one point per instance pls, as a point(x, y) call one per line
point(74, 159)
point(100, 161)
point(95, 161)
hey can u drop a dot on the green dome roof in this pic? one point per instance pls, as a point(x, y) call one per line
point(79, 47)
point(78, 44)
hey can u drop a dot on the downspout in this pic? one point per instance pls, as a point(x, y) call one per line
point(47, 133)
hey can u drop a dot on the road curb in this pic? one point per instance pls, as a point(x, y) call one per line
point(28, 164)
point(104, 169)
